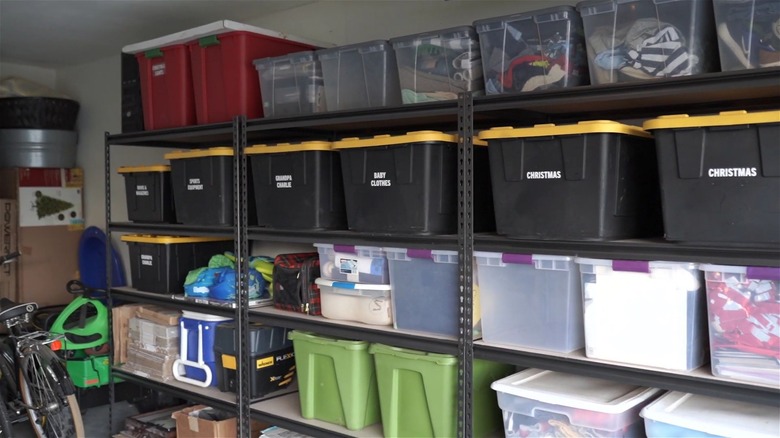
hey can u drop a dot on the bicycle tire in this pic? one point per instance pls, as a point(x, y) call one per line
point(7, 390)
point(40, 386)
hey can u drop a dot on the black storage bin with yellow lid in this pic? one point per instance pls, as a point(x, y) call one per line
point(595, 180)
point(298, 186)
point(202, 181)
point(160, 263)
point(408, 184)
point(720, 176)
point(148, 192)
point(270, 354)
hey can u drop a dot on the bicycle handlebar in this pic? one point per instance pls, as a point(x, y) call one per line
point(8, 258)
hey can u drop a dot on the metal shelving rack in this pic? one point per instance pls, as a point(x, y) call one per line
point(709, 93)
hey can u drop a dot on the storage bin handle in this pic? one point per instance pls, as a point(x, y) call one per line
point(763, 273)
point(518, 259)
point(211, 40)
point(419, 253)
point(154, 53)
point(345, 248)
point(631, 266)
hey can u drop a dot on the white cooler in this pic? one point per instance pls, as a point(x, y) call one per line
point(367, 303)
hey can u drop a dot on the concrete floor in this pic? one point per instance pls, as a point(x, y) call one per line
point(95, 421)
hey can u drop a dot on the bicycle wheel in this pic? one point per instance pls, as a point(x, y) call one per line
point(53, 414)
point(6, 426)
point(6, 431)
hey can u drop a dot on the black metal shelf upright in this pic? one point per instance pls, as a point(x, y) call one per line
point(709, 93)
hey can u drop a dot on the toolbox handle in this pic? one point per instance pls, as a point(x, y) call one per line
point(631, 266)
point(211, 40)
point(763, 273)
point(517, 259)
point(154, 53)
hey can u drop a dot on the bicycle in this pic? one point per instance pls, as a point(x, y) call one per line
point(33, 378)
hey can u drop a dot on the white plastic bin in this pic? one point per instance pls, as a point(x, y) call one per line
point(743, 305)
point(425, 290)
point(367, 303)
point(678, 414)
point(547, 403)
point(357, 264)
point(530, 301)
point(644, 313)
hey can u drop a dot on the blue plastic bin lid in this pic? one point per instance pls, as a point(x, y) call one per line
point(92, 261)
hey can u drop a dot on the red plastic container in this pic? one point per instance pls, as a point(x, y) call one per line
point(166, 87)
point(225, 80)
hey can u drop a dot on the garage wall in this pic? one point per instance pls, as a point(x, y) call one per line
point(43, 76)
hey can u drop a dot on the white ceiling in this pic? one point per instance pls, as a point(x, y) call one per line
point(58, 33)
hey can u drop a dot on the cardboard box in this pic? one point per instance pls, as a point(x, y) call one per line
point(8, 244)
point(120, 318)
point(158, 314)
point(188, 426)
point(49, 223)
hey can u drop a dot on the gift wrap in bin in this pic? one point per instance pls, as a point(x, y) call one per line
point(644, 313)
point(720, 176)
point(678, 414)
point(418, 393)
point(748, 33)
point(336, 380)
point(407, 184)
point(536, 50)
point(438, 65)
point(547, 403)
point(629, 40)
point(593, 180)
point(743, 303)
point(148, 192)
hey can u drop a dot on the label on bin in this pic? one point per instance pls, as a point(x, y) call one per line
point(380, 180)
point(283, 181)
point(158, 69)
point(147, 260)
point(732, 172)
point(347, 266)
point(546, 174)
point(141, 190)
point(194, 184)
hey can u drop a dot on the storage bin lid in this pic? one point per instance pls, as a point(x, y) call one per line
point(292, 58)
point(351, 249)
point(297, 335)
point(223, 151)
point(138, 169)
point(215, 28)
point(751, 272)
point(525, 259)
point(714, 416)
point(574, 391)
point(289, 147)
point(409, 137)
point(167, 240)
point(458, 38)
point(365, 47)
point(203, 316)
point(539, 16)
point(405, 353)
point(550, 129)
point(725, 118)
point(359, 289)
point(635, 265)
point(437, 255)
point(594, 7)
